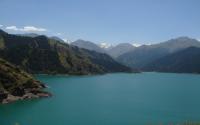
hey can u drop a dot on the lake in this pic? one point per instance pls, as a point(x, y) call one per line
point(111, 99)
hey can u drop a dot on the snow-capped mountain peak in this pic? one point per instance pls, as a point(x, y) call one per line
point(105, 45)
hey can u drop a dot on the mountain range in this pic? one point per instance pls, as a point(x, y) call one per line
point(152, 57)
point(113, 51)
point(143, 55)
point(41, 54)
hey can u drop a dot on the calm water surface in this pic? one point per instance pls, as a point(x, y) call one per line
point(111, 99)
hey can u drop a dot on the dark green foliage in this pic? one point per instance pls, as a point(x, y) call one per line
point(107, 63)
point(43, 55)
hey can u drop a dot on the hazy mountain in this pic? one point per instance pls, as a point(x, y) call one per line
point(113, 51)
point(43, 55)
point(183, 61)
point(178, 44)
point(88, 45)
point(120, 49)
point(146, 54)
point(15, 84)
point(57, 39)
point(141, 56)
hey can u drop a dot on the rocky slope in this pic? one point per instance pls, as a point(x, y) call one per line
point(15, 84)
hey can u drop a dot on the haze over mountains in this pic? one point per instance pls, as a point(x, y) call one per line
point(111, 50)
point(120, 49)
point(88, 45)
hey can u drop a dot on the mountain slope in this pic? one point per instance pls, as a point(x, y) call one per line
point(16, 84)
point(184, 61)
point(141, 56)
point(43, 55)
point(113, 51)
point(146, 54)
point(107, 63)
point(120, 49)
point(87, 45)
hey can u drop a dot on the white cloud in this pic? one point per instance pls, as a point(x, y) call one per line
point(1, 25)
point(12, 28)
point(33, 29)
point(67, 40)
point(105, 45)
point(58, 34)
point(26, 29)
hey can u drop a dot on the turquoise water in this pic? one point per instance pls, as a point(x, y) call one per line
point(111, 99)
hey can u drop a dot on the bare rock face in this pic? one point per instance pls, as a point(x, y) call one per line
point(15, 84)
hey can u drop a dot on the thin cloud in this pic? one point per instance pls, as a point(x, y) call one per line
point(26, 29)
point(1, 25)
point(58, 34)
point(12, 28)
point(34, 29)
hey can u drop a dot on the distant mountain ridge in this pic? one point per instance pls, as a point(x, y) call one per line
point(120, 49)
point(146, 54)
point(113, 51)
point(87, 45)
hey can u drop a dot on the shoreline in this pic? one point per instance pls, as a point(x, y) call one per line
point(11, 98)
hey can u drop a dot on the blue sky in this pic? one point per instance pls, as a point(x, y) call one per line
point(112, 21)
